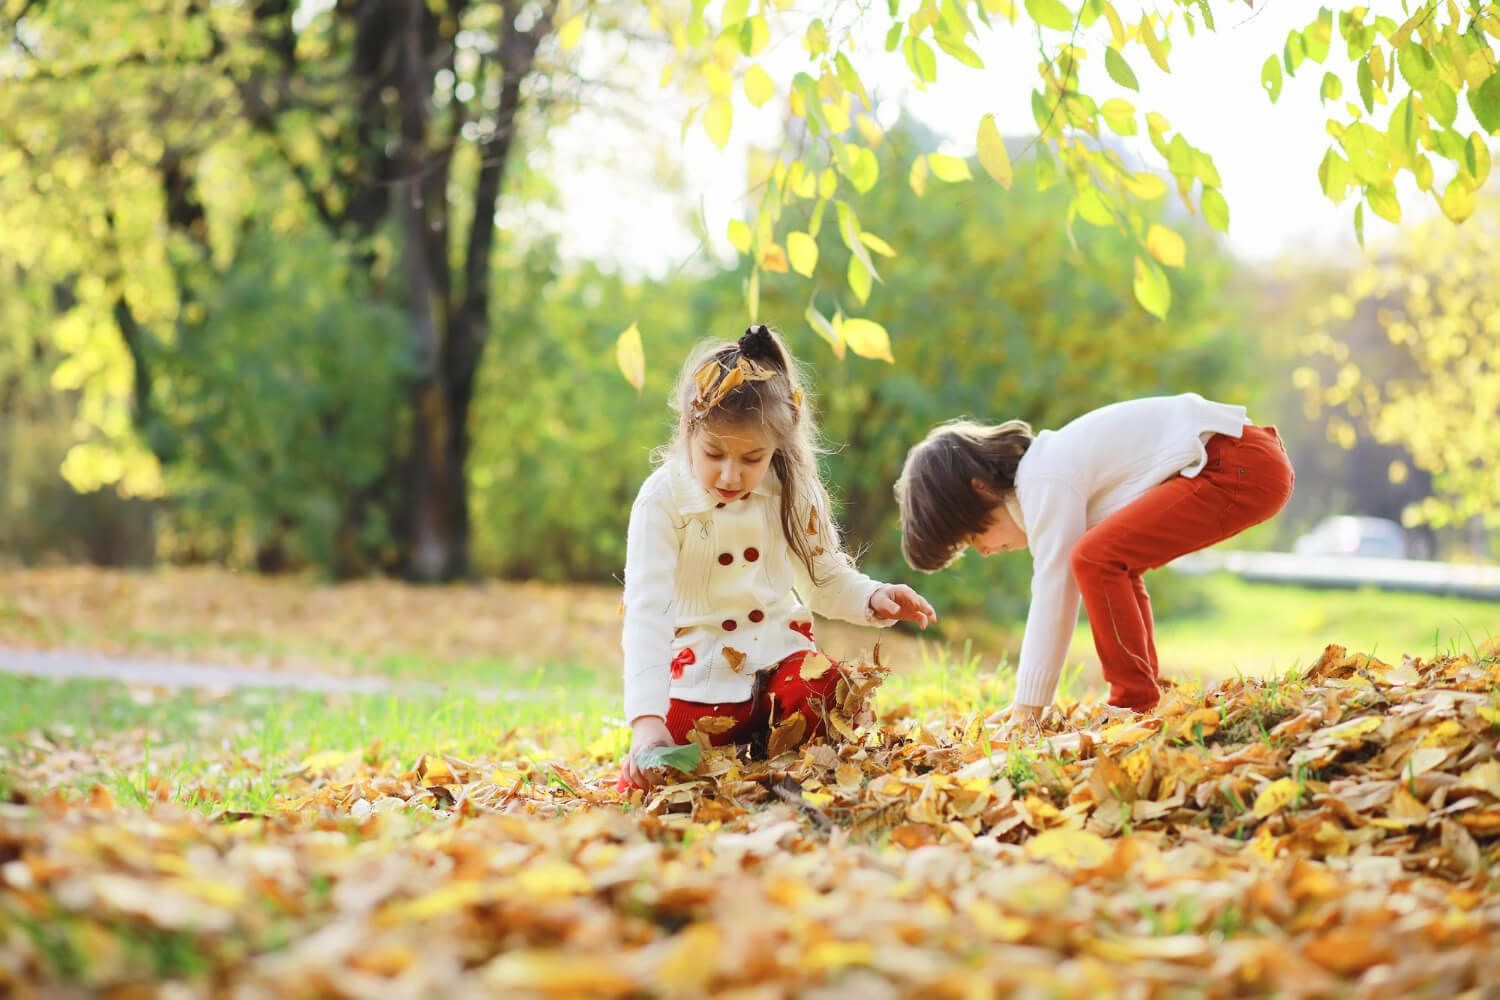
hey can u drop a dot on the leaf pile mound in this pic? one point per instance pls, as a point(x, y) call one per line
point(1331, 835)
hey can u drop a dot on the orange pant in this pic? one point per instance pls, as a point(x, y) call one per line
point(1246, 481)
point(781, 688)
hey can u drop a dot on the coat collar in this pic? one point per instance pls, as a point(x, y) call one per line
point(692, 498)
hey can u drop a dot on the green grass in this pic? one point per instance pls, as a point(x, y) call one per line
point(243, 746)
point(1262, 629)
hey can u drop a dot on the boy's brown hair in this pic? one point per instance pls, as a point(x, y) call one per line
point(951, 484)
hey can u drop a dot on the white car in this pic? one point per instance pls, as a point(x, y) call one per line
point(1345, 535)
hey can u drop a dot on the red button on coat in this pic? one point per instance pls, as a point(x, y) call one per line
point(757, 615)
point(725, 558)
point(752, 554)
point(729, 624)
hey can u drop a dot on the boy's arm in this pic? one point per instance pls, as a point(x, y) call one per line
point(651, 549)
point(1060, 519)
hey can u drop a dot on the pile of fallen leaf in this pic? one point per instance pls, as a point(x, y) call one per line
point(1335, 835)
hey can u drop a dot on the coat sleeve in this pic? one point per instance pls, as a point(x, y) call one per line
point(651, 554)
point(1058, 517)
point(841, 592)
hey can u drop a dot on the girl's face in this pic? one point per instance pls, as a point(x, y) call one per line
point(730, 461)
point(1001, 536)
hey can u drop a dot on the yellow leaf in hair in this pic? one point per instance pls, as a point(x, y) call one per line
point(735, 657)
point(705, 375)
point(735, 378)
point(797, 398)
point(812, 520)
point(754, 371)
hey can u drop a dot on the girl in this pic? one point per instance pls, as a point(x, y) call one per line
point(1118, 491)
point(724, 538)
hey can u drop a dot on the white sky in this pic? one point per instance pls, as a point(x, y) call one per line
point(617, 210)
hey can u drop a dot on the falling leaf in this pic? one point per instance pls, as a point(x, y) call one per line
point(630, 355)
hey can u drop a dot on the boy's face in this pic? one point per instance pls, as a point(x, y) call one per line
point(1002, 535)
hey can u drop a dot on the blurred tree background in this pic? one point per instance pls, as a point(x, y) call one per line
point(253, 311)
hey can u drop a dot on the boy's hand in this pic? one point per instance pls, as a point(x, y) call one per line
point(647, 731)
point(1020, 720)
point(898, 602)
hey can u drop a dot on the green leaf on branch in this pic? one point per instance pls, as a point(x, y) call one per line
point(850, 79)
point(1484, 101)
point(850, 233)
point(802, 251)
point(1215, 209)
point(739, 235)
point(759, 87)
point(1383, 202)
point(920, 57)
point(1367, 152)
point(1416, 65)
point(825, 329)
point(1050, 14)
point(868, 339)
point(859, 280)
point(1119, 70)
point(718, 119)
point(1119, 115)
point(1152, 290)
point(1270, 77)
point(1166, 245)
point(1457, 201)
point(1335, 176)
point(877, 244)
point(1317, 36)
point(950, 169)
point(685, 758)
point(1442, 102)
point(992, 153)
point(1359, 223)
point(1476, 160)
point(1366, 85)
point(1332, 89)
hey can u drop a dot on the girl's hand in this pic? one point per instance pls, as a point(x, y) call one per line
point(647, 731)
point(898, 602)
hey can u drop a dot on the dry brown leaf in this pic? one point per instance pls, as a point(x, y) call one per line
point(787, 734)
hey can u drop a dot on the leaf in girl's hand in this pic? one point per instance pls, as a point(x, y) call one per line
point(684, 758)
point(735, 657)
